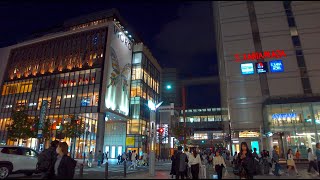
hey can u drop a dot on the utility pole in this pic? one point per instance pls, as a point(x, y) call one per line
point(184, 115)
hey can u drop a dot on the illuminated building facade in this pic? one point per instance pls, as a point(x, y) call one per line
point(206, 126)
point(145, 85)
point(269, 71)
point(82, 71)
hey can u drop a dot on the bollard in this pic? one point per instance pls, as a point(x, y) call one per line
point(106, 173)
point(125, 168)
point(81, 170)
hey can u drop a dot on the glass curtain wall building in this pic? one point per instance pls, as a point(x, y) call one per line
point(145, 85)
point(76, 70)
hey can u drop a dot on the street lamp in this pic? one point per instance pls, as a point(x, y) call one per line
point(153, 107)
point(169, 87)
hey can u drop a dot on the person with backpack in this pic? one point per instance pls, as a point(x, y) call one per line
point(64, 166)
point(181, 162)
point(46, 161)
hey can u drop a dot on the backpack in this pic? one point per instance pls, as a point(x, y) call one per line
point(256, 167)
point(45, 160)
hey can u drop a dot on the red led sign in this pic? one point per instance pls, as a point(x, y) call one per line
point(260, 55)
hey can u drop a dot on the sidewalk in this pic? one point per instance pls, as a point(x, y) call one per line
point(145, 175)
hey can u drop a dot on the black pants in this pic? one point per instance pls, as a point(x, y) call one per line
point(319, 166)
point(313, 165)
point(180, 174)
point(219, 172)
point(195, 171)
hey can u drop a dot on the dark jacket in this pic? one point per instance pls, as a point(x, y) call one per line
point(181, 162)
point(247, 164)
point(173, 165)
point(66, 168)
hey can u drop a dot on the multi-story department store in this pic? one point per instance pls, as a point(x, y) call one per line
point(269, 71)
point(84, 70)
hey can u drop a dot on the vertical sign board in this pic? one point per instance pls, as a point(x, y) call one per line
point(43, 110)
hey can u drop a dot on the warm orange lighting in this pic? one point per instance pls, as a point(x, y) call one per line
point(90, 62)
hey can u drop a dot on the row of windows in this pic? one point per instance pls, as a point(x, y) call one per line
point(81, 96)
point(140, 74)
point(140, 59)
point(71, 79)
point(209, 118)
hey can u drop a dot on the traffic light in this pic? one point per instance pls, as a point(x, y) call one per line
point(160, 130)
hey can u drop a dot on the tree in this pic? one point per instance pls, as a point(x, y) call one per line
point(46, 128)
point(21, 127)
point(178, 132)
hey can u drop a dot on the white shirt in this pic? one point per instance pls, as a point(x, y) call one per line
point(218, 160)
point(310, 156)
point(133, 157)
point(194, 160)
point(290, 156)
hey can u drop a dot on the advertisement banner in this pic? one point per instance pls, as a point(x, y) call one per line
point(130, 141)
point(42, 117)
point(118, 72)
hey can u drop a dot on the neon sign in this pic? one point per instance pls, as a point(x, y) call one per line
point(284, 115)
point(276, 66)
point(247, 68)
point(260, 55)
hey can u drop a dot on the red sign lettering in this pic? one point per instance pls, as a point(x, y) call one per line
point(260, 55)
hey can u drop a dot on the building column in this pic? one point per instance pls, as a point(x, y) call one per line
point(314, 122)
point(100, 134)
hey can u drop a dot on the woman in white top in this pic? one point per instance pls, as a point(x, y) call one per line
point(290, 162)
point(218, 164)
point(195, 162)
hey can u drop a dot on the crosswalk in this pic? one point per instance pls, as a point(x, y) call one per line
point(113, 168)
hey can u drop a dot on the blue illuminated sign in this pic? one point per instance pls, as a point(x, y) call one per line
point(247, 68)
point(284, 115)
point(276, 66)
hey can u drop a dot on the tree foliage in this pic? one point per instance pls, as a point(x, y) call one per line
point(21, 126)
point(74, 128)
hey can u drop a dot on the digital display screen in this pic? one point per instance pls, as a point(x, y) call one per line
point(85, 101)
point(247, 68)
point(262, 67)
point(276, 66)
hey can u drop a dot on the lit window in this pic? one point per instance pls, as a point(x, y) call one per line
point(293, 31)
point(68, 96)
point(200, 136)
point(8, 106)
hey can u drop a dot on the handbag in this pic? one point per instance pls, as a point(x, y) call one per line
point(237, 168)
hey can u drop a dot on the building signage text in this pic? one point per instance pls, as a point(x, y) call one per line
point(284, 115)
point(260, 55)
point(122, 38)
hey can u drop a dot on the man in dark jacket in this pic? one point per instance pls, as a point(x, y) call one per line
point(181, 161)
point(46, 161)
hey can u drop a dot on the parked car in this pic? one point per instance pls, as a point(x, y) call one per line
point(16, 159)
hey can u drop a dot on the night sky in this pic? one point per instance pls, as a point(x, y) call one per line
point(179, 34)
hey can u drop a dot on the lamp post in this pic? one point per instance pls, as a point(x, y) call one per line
point(152, 158)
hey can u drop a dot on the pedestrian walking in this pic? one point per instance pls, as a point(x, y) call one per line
point(119, 159)
point(318, 156)
point(255, 154)
point(64, 166)
point(99, 158)
point(245, 161)
point(188, 168)
point(290, 163)
point(102, 158)
point(90, 159)
point(46, 161)
point(181, 162)
point(298, 155)
point(219, 164)
point(275, 160)
point(312, 163)
point(194, 163)
point(173, 163)
point(133, 160)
